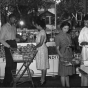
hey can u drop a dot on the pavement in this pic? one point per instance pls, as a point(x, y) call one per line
point(52, 82)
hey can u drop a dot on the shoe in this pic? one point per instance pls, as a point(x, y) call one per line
point(43, 83)
point(6, 84)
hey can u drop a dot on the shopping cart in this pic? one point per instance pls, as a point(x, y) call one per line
point(19, 76)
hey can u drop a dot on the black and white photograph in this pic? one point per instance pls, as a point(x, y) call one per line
point(43, 43)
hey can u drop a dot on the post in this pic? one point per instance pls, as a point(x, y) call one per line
point(55, 16)
point(0, 21)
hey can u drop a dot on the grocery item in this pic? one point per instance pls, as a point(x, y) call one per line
point(25, 52)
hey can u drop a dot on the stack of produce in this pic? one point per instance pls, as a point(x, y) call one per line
point(28, 51)
point(2, 52)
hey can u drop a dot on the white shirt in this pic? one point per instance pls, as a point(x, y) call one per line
point(8, 32)
point(83, 36)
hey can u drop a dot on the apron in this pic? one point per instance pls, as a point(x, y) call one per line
point(85, 53)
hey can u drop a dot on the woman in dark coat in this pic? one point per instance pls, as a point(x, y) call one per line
point(63, 45)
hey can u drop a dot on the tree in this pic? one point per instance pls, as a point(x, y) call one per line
point(68, 9)
point(23, 7)
point(31, 4)
point(14, 5)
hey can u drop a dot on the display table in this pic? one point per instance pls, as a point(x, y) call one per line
point(53, 61)
point(84, 75)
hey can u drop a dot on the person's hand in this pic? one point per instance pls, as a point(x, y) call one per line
point(71, 46)
point(14, 49)
point(61, 56)
point(34, 47)
point(8, 46)
point(68, 64)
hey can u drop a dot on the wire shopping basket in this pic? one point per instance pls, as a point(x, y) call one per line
point(17, 56)
point(26, 59)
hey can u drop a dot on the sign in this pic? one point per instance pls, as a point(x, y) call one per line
point(53, 57)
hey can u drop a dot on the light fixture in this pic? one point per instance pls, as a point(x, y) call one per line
point(57, 1)
point(21, 22)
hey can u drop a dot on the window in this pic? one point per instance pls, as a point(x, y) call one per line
point(79, 16)
point(47, 20)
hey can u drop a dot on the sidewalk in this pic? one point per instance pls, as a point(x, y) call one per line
point(75, 81)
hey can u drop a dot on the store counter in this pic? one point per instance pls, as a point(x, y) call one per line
point(52, 71)
point(84, 75)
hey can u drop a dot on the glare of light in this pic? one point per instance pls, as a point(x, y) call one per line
point(21, 22)
point(57, 1)
point(8, 13)
point(6, 8)
point(20, 33)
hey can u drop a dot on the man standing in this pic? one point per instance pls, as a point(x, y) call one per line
point(83, 38)
point(8, 39)
point(83, 41)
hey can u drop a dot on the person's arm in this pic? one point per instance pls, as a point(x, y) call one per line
point(58, 44)
point(41, 42)
point(2, 36)
point(58, 51)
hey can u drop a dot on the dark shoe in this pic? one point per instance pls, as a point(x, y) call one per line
point(6, 84)
point(43, 83)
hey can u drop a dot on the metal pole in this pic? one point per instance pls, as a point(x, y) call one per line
point(0, 21)
point(55, 16)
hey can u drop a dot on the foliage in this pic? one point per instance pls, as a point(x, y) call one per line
point(31, 4)
point(68, 7)
point(26, 9)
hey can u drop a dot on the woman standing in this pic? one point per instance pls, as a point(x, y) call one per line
point(42, 62)
point(63, 45)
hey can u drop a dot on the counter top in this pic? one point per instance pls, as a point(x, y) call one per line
point(84, 69)
point(47, 43)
